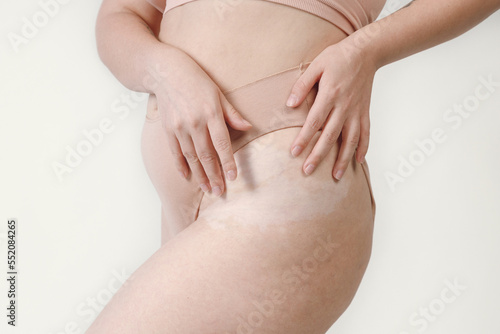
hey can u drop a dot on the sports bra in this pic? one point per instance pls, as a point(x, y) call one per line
point(348, 15)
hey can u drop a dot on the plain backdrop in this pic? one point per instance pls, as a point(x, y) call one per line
point(80, 234)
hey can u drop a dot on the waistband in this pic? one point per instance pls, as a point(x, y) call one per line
point(263, 103)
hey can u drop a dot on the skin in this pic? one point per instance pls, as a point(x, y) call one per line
point(229, 69)
point(206, 277)
point(259, 243)
point(197, 133)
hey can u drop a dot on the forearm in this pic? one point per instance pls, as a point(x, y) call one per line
point(419, 26)
point(128, 46)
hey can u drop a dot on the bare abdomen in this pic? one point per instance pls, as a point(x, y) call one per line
point(240, 41)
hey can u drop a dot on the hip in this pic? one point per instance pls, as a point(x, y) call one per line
point(262, 155)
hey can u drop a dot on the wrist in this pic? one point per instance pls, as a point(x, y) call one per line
point(356, 49)
point(365, 44)
point(154, 66)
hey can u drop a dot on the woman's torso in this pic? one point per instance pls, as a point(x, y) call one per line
point(240, 41)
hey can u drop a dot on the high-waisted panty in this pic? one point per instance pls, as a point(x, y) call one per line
point(262, 103)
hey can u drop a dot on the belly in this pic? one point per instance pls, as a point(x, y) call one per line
point(240, 41)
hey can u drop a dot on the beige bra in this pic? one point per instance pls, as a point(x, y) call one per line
point(348, 15)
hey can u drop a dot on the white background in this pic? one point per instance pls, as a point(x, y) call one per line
point(101, 221)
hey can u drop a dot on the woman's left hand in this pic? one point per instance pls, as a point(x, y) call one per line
point(341, 106)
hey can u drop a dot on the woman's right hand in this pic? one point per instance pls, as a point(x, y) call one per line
point(193, 113)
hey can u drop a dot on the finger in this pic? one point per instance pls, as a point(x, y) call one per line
point(179, 160)
point(350, 139)
point(303, 85)
point(221, 141)
point(364, 139)
point(207, 156)
point(191, 156)
point(319, 112)
point(171, 131)
point(233, 118)
point(327, 139)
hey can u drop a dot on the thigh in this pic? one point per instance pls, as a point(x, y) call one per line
point(180, 198)
point(280, 252)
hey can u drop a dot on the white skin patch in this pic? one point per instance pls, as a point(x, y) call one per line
point(272, 189)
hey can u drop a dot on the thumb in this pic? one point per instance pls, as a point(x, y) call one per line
point(232, 116)
point(303, 85)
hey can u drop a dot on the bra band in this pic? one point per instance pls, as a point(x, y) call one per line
point(347, 15)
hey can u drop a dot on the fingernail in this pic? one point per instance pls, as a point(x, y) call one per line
point(182, 174)
point(204, 187)
point(217, 191)
point(309, 169)
point(296, 150)
point(244, 121)
point(231, 175)
point(338, 174)
point(292, 99)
